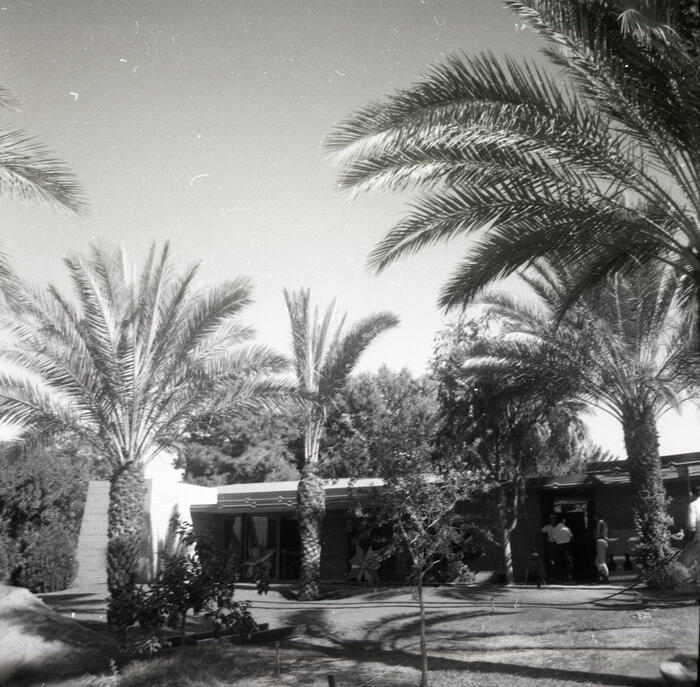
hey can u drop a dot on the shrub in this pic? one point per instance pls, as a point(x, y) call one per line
point(201, 582)
point(8, 555)
point(48, 561)
point(42, 496)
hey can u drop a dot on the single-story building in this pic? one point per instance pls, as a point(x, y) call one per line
point(259, 520)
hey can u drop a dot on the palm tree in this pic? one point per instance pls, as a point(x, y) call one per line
point(30, 172)
point(127, 368)
point(602, 164)
point(622, 348)
point(324, 356)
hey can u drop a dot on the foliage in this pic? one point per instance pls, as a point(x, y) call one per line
point(623, 347)
point(420, 503)
point(254, 446)
point(42, 495)
point(511, 428)
point(595, 161)
point(201, 581)
point(146, 342)
point(128, 368)
point(518, 428)
point(7, 556)
point(324, 355)
point(376, 416)
point(48, 561)
point(31, 172)
point(423, 504)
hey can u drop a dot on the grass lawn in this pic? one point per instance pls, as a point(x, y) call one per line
point(484, 636)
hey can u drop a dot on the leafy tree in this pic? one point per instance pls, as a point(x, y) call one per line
point(623, 348)
point(127, 369)
point(254, 446)
point(420, 501)
point(505, 426)
point(324, 355)
point(376, 416)
point(597, 160)
point(30, 172)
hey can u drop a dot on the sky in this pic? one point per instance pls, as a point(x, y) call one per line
point(200, 122)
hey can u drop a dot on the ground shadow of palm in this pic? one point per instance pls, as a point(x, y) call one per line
point(396, 658)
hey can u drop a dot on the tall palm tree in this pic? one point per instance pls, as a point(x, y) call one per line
point(31, 172)
point(324, 356)
point(127, 368)
point(602, 164)
point(623, 348)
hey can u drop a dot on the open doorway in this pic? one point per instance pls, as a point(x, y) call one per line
point(577, 514)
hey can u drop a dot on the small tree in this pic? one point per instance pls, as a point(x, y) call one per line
point(421, 504)
point(201, 581)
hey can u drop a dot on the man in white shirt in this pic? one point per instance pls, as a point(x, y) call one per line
point(693, 527)
point(562, 538)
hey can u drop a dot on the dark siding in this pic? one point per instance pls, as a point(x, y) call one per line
point(334, 551)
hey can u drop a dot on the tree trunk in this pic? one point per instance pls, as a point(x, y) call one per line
point(423, 644)
point(506, 527)
point(311, 508)
point(125, 519)
point(648, 494)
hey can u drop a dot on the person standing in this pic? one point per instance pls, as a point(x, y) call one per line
point(601, 548)
point(562, 539)
point(693, 526)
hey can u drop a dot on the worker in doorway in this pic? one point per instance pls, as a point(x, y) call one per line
point(601, 548)
point(562, 539)
point(693, 526)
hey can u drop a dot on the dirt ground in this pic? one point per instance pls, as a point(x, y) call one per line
point(476, 635)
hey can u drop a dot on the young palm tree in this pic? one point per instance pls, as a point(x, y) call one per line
point(622, 348)
point(603, 164)
point(127, 368)
point(324, 356)
point(30, 172)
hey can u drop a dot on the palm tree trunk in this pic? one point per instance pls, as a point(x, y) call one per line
point(506, 527)
point(125, 520)
point(648, 494)
point(311, 508)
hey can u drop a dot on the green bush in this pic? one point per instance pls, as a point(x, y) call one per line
point(201, 583)
point(8, 554)
point(48, 562)
point(42, 496)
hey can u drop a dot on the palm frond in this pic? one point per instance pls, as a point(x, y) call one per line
point(134, 361)
point(347, 349)
point(30, 172)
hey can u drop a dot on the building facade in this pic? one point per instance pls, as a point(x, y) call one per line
point(258, 522)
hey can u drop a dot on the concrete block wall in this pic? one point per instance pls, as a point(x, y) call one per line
point(92, 540)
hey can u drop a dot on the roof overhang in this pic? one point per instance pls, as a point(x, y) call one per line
point(281, 497)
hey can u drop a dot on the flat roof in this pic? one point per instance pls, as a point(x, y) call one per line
point(271, 497)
